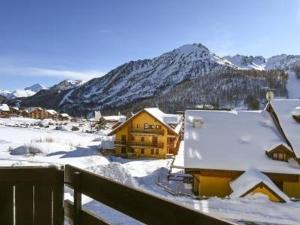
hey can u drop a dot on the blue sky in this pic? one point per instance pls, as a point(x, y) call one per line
point(46, 41)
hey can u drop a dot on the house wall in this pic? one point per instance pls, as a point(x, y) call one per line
point(218, 184)
point(213, 186)
point(292, 189)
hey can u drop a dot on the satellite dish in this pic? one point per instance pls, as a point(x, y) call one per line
point(269, 95)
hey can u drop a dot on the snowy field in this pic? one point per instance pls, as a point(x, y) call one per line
point(22, 145)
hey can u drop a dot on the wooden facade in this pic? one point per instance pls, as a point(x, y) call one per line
point(209, 183)
point(143, 135)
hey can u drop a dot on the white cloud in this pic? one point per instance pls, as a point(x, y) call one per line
point(49, 72)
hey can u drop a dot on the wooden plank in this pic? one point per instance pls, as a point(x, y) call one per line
point(140, 205)
point(42, 205)
point(86, 217)
point(24, 204)
point(58, 195)
point(37, 175)
point(6, 204)
point(77, 199)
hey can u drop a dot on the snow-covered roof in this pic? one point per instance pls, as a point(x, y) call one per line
point(65, 115)
point(285, 109)
point(4, 108)
point(166, 119)
point(118, 118)
point(51, 111)
point(231, 140)
point(251, 178)
point(32, 109)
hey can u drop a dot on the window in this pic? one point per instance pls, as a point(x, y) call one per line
point(123, 150)
point(153, 126)
point(146, 126)
point(142, 139)
point(158, 126)
point(132, 138)
point(152, 151)
point(279, 156)
point(142, 151)
point(157, 151)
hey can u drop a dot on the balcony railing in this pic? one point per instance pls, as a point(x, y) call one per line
point(118, 142)
point(148, 131)
point(139, 144)
point(146, 144)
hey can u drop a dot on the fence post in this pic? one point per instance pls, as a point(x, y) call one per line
point(77, 198)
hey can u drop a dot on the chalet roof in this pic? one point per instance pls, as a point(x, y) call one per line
point(231, 140)
point(4, 108)
point(165, 119)
point(65, 115)
point(51, 111)
point(249, 180)
point(285, 109)
point(32, 109)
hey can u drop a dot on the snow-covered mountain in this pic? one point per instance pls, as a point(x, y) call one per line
point(35, 88)
point(26, 92)
point(138, 80)
point(282, 62)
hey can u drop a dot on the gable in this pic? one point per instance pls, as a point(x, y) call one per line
point(142, 117)
point(262, 188)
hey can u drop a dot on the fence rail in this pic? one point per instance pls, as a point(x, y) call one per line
point(137, 204)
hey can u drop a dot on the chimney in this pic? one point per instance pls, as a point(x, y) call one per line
point(198, 122)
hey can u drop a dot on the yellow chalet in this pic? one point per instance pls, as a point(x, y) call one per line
point(148, 133)
point(241, 153)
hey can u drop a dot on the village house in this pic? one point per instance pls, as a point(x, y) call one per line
point(14, 111)
point(40, 113)
point(4, 110)
point(148, 133)
point(64, 117)
point(239, 154)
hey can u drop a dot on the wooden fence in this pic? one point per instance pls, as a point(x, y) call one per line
point(144, 207)
point(31, 196)
point(34, 196)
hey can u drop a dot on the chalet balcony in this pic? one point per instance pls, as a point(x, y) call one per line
point(146, 144)
point(121, 143)
point(139, 144)
point(147, 131)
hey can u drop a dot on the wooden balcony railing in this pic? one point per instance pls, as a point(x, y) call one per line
point(140, 205)
point(139, 144)
point(34, 196)
point(147, 131)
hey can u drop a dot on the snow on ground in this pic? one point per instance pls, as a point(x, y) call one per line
point(293, 86)
point(82, 150)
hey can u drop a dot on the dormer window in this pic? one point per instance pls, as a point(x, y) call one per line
point(296, 114)
point(297, 118)
point(280, 153)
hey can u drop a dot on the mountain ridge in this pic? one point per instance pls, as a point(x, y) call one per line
point(141, 79)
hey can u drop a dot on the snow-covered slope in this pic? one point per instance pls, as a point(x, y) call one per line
point(146, 78)
point(247, 62)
